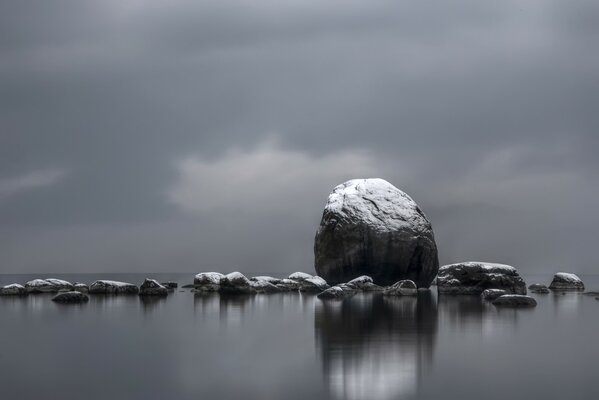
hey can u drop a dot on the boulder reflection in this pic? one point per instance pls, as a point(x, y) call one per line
point(376, 347)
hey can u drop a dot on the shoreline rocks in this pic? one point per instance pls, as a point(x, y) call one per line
point(50, 285)
point(566, 281)
point(207, 281)
point(235, 283)
point(370, 227)
point(112, 287)
point(514, 300)
point(474, 277)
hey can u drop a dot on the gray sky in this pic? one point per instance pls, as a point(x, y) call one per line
point(206, 135)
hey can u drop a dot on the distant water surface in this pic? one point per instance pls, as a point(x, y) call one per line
point(294, 346)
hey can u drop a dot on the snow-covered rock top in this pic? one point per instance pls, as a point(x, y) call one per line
point(564, 280)
point(47, 285)
point(567, 277)
point(263, 278)
point(483, 266)
point(300, 276)
point(13, 289)
point(208, 278)
point(104, 286)
point(377, 203)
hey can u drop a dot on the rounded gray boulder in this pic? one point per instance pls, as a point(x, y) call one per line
point(370, 227)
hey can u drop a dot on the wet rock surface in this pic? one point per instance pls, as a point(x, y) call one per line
point(474, 277)
point(369, 227)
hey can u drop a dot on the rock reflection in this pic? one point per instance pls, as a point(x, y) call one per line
point(376, 347)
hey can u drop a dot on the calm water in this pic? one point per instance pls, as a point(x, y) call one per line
point(291, 346)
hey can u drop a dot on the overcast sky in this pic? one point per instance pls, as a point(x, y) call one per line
point(206, 135)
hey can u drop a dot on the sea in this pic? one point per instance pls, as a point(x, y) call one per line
point(296, 346)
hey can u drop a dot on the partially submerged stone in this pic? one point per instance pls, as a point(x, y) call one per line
point(263, 286)
point(81, 287)
point(492, 294)
point(13, 290)
point(235, 283)
point(536, 286)
point(50, 285)
point(314, 284)
point(170, 284)
point(288, 285)
point(338, 292)
point(365, 283)
point(151, 287)
point(401, 288)
point(268, 279)
point(542, 290)
point(300, 276)
point(112, 287)
point(208, 281)
point(514, 300)
point(71, 297)
point(566, 281)
point(474, 277)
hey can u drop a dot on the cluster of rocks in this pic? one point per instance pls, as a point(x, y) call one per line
point(237, 283)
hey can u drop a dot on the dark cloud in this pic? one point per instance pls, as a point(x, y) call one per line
point(158, 115)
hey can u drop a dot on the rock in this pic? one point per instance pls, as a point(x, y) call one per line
point(370, 227)
point(474, 277)
point(401, 288)
point(365, 283)
point(566, 281)
point(434, 282)
point(170, 285)
point(536, 286)
point(13, 290)
point(543, 290)
point(268, 279)
point(50, 285)
point(235, 283)
point(151, 287)
point(492, 294)
point(188, 286)
point(313, 285)
point(288, 285)
point(338, 292)
point(208, 281)
point(263, 286)
point(514, 300)
point(591, 293)
point(80, 287)
point(112, 287)
point(300, 276)
point(71, 297)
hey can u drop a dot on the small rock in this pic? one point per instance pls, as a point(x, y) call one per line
point(365, 283)
point(112, 287)
point(402, 288)
point(314, 284)
point(514, 300)
point(473, 277)
point(288, 285)
point(71, 297)
point(13, 290)
point(208, 281)
point(262, 286)
point(268, 279)
point(536, 286)
point(591, 293)
point(337, 292)
point(170, 285)
point(492, 294)
point(188, 286)
point(566, 281)
point(151, 287)
point(50, 285)
point(81, 287)
point(300, 276)
point(235, 283)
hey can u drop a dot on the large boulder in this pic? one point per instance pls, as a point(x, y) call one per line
point(235, 283)
point(113, 287)
point(50, 285)
point(474, 277)
point(13, 290)
point(208, 281)
point(566, 281)
point(370, 227)
point(151, 287)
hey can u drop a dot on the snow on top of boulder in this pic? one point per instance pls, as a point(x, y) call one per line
point(209, 277)
point(13, 286)
point(484, 266)
point(112, 283)
point(568, 277)
point(300, 276)
point(58, 282)
point(376, 202)
point(37, 282)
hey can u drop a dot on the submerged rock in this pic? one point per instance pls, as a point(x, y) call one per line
point(514, 300)
point(401, 288)
point(50, 285)
point(566, 281)
point(71, 297)
point(492, 294)
point(474, 277)
point(151, 287)
point(208, 281)
point(112, 287)
point(370, 227)
point(542, 290)
point(170, 285)
point(536, 286)
point(13, 290)
point(338, 292)
point(263, 286)
point(235, 283)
